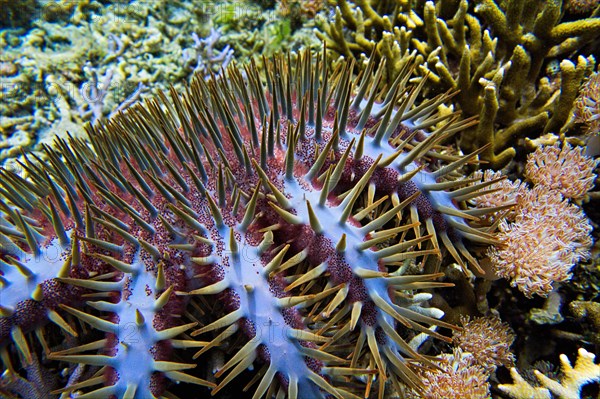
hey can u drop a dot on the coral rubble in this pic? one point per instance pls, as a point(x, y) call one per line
point(84, 60)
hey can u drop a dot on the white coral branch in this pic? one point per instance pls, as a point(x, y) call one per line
point(584, 372)
point(521, 389)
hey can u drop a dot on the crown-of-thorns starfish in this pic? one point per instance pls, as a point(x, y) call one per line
point(278, 209)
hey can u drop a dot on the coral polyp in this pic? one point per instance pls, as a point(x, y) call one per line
point(285, 215)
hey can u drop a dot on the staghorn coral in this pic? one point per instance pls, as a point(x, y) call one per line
point(569, 386)
point(566, 170)
point(59, 64)
point(263, 210)
point(134, 311)
point(487, 339)
point(548, 237)
point(208, 61)
point(493, 52)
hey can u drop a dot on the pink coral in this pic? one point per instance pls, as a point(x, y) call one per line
point(548, 237)
point(488, 339)
point(567, 170)
point(506, 194)
point(458, 377)
point(587, 104)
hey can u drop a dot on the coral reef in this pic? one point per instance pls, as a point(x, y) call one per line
point(91, 64)
point(493, 52)
point(81, 57)
point(187, 212)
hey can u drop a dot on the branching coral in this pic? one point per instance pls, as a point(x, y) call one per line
point(298, 10)
point(285, 216)
point(496, 69)
point(137, 44)
point(589, 311)
point(569, 386)
point(207, 59)
point(582, 6)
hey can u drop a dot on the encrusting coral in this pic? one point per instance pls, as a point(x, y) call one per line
point(569, 386)
point(492, 52)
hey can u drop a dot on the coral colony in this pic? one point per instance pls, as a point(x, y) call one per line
point(494, 52)
point(289, 221)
